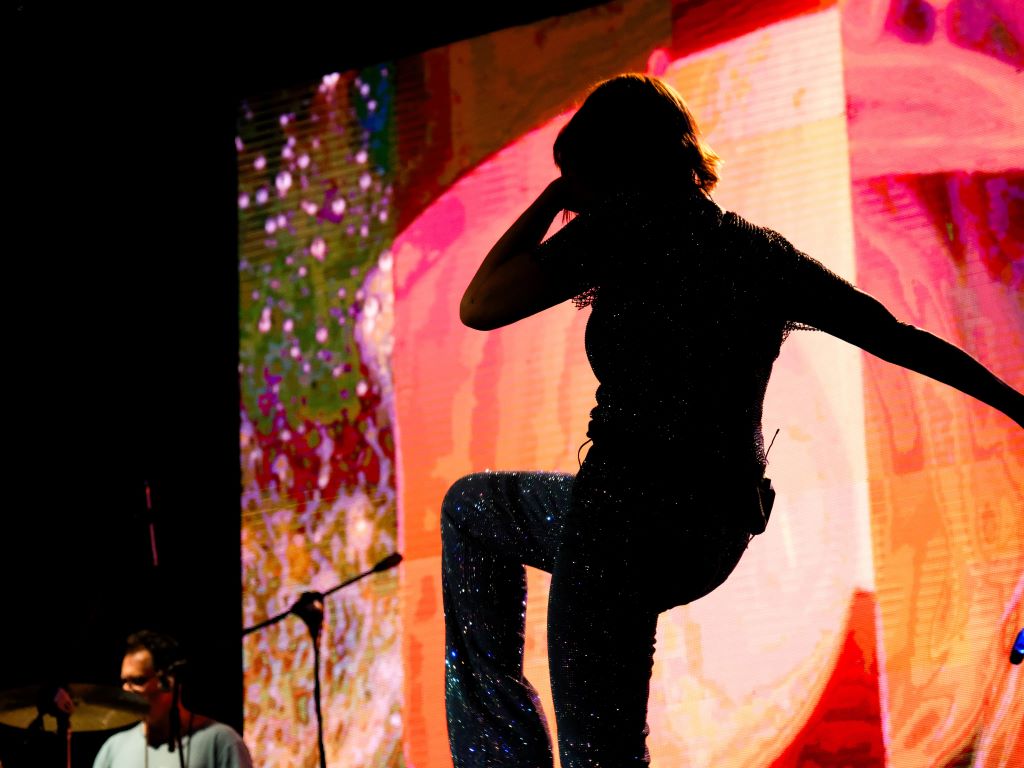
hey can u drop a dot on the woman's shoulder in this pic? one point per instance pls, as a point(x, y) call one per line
point(754, 234)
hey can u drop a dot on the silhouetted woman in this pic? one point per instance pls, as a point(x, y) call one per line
point(690, 305)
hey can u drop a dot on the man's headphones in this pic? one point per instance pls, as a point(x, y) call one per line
point(177, 669)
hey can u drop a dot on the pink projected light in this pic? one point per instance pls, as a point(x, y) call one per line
point(869, 625)
point(739, 673)
point(936, 126)
point(862, 626)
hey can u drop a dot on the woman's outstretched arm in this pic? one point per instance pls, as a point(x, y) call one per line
point(827, 302)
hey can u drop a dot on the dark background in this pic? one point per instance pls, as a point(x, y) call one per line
point(121, 322)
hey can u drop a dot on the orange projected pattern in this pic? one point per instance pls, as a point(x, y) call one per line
point(870, 625)
point(519, 398)
point(469, 400)
point(777, 667)
point(937, 140)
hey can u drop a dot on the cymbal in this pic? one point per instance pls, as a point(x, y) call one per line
point(96, 707)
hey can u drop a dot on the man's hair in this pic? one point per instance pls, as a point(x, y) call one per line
point(167, 653)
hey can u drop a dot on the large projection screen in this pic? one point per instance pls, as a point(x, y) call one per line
point(870, 625)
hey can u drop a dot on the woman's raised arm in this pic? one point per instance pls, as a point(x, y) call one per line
point(509, 284)
point(514, 281)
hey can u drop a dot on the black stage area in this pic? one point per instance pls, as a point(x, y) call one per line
point(121, 319)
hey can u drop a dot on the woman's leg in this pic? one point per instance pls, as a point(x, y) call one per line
point(601, 632)
point(492, 524)
point(636, 541)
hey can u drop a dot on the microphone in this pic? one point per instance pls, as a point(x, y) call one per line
point(387, 563)
point(310, 603)
point(310, 608)
point(1017, 652)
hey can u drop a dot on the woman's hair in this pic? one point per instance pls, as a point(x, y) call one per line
point(632, 131)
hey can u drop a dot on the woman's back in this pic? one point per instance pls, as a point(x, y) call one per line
point(689, 312)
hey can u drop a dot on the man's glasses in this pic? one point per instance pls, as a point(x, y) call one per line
point(139, 681)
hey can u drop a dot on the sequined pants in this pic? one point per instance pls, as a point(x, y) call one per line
point(612, 539)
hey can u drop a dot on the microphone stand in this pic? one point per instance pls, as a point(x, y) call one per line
point(387, 563)
point(310, 608)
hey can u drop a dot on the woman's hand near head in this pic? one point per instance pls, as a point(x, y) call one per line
point(572, 193)
point(510, 283)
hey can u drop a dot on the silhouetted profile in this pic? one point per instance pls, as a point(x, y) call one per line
point(690, 305)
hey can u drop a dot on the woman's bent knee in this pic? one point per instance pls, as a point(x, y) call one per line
point(461, 497)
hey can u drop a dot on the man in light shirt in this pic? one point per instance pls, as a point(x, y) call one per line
point(171, 735)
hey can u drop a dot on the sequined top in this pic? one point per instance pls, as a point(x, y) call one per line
point(690, 307)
